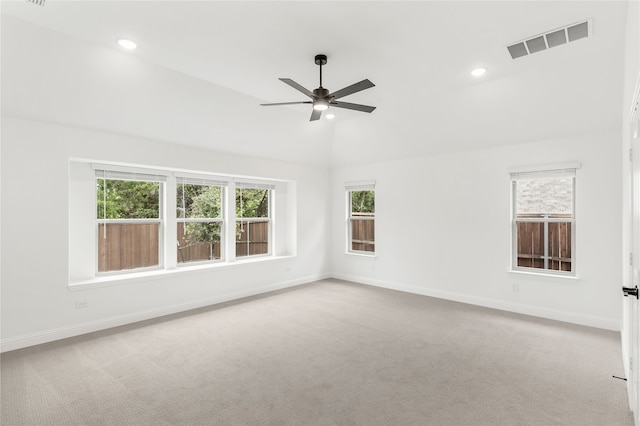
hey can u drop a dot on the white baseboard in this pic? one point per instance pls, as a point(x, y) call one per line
point(569, 317)
point(45, 336)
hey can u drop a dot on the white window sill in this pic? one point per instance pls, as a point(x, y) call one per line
point(361, 255)
point(127, 278)
point(545, 275)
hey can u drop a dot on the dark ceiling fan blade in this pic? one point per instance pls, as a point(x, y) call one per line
point(357, 107)
point(361, 85)
point(288, 103)
point(297, 86)
point(315, 115)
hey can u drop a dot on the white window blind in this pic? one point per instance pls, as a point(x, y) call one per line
point(121, 175)
point(368, 185)
point(188, 180)
point(546, 174)
point(254, 185)
point(544, 171)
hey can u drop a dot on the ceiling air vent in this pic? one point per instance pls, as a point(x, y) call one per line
point(550, 39)
point(38, 2)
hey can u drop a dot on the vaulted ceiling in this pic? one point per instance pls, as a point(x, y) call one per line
point(203, 67)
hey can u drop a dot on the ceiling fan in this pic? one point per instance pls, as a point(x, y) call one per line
point(322, 99)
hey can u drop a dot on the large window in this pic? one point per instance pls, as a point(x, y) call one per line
point(543, 221)
point(129, 220)
point(253, 219)
point(361, 218)
point(200, 222)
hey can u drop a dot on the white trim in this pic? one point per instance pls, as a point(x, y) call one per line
point(634, 112)
point(129, 277)
point(540, 273)
point(586, 320)
point(362, 254)
point(358, 186)
point(32, 339)
point(540, 175)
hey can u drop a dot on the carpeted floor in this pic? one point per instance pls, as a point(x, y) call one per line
point(327, 353)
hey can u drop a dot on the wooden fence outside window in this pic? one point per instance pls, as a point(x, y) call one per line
point(132, 246)
point(531, 250)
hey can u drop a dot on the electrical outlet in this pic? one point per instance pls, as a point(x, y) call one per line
point(81, 304)
point(515, 287)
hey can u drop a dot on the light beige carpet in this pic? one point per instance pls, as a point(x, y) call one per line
point(323, 354)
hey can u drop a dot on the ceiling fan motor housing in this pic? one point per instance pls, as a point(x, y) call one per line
point(321, 92)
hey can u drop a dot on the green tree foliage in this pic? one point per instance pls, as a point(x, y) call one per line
point(252, 202)
point(200, 201)
point(127, 199)
point(140, 200)
point(363, 202)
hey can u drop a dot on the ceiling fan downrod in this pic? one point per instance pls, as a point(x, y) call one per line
point(321, 60)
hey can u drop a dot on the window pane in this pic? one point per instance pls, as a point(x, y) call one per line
point(544, 207)
point(252, 238)
point(363, 203)
point(530, 244)
point(198, 201)
point(252, 202)
point(198, 241)
point(538, 197)
point(127, 199)
point(560, 246)
point(127, 246)
point(363, 235)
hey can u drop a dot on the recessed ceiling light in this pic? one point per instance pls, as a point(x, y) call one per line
point(330, 116)
point(127, 44)
point(478, 72)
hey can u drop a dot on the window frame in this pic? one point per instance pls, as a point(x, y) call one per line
point(84, 204)
point(564, 170)
point(133, 176)
point(223, 185)
point(349, 189)
point(240, 185)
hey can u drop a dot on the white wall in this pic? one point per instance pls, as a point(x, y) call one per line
point(37, 304)
point(443, 229)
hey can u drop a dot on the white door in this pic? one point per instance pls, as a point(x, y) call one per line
point(631, 328)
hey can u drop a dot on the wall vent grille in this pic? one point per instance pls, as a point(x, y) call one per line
point(550, 39)
point(38, 2)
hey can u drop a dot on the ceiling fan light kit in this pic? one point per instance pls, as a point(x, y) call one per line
point(322, 99)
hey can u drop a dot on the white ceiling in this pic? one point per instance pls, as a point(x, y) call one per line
point(203, 67)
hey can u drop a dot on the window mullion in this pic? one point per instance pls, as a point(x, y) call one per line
point(248, 231)
point(546, 244)
point(230, 222)
point(170, 206)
